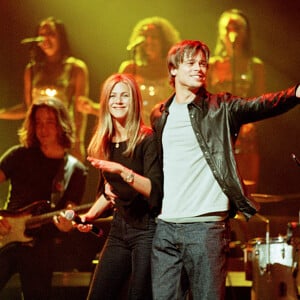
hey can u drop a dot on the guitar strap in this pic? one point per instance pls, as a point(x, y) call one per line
point(61, 179)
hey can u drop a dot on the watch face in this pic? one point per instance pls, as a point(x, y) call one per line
point(130, 178)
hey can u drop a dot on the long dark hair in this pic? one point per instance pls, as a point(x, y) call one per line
point(37, 54)
point(27, 133)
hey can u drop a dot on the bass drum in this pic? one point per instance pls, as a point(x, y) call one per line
point(271, 267)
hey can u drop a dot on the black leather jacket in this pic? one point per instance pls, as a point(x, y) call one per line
point(216, 120)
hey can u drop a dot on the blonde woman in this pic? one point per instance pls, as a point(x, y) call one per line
point(124, 150)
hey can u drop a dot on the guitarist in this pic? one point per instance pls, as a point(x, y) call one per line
point(40, 168)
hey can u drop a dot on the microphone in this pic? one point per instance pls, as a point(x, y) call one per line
point(135, 43)
point(72, 216)
point(232, 35)
point(36, 39)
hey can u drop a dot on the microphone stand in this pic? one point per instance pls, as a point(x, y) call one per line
point(268, 259)
point(133, 55)
point(132, 47)
point(294, 157)
point(233, 69)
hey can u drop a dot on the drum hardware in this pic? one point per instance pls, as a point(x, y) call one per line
point(270, 198)
point(291, 228)
point(275, 279)
point(295, 269)
point(272, 264)
point(266, 198)
point(248, 182)
point(267, 221)
point(297, 161)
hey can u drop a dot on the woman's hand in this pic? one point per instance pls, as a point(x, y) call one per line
point(84, 227)
point(63, 223)
point(84, 105)
point(108, 194)
point(105, 165)
point(87, 106)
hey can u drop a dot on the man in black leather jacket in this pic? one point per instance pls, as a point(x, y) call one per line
point(202, 188)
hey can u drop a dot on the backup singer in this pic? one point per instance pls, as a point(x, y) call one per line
point(53, 71)
point(148, 46)
point(234, 68)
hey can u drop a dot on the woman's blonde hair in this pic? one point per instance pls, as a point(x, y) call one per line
point(99, 146)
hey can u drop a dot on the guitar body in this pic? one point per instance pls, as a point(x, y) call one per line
point(23, 219)
point(17, 232)
point(18, 221)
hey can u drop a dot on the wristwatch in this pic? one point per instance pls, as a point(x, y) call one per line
point(130, 177)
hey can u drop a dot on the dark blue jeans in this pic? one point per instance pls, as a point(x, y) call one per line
point(125, 259)
point(198, 250)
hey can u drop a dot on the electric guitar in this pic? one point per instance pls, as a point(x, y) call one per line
point(23, 219)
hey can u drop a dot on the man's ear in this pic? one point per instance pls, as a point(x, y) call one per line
point(173, 72)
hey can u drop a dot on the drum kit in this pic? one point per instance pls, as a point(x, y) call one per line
point(271, 263)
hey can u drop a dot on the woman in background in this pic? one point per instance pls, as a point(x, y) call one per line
point(148, 62)
point(148, 45)
point(53, 71)
point(235, 69)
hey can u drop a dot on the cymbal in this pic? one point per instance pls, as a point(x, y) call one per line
point(248, 182)
point(266, 198)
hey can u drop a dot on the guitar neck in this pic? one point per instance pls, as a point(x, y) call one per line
point(47, 217)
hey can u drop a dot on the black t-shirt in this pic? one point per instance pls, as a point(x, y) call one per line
point(31, 176)
point(134, 207)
